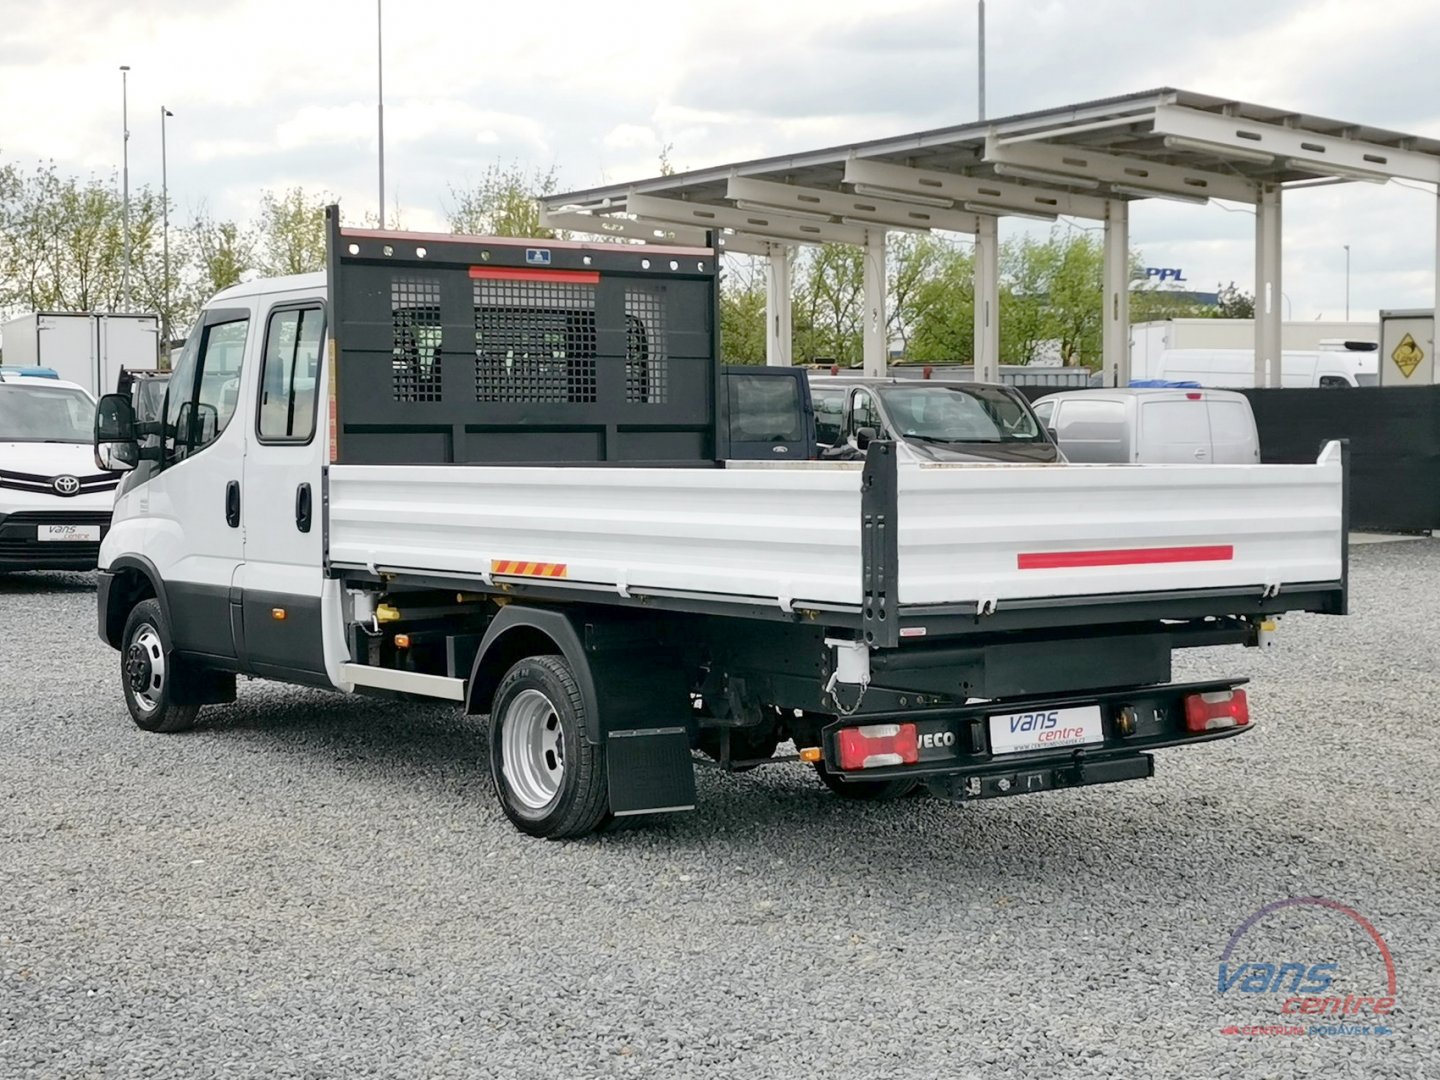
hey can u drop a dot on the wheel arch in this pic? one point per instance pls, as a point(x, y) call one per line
point(131, 580)
point(517, 632)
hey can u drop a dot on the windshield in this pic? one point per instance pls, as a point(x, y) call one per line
point(934, 413)
point(45, 414)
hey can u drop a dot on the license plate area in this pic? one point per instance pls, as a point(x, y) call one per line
point(1045, 729)
point(67, 533)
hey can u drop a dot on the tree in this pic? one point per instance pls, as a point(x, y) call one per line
point(503, 203)
point(742, 311)
point(1234, 303)
point(945, 311)
point(290, 235)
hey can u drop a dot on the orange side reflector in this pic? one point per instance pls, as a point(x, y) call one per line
point(810, 753)
point(402, 641)
point(278, 614)
point(520, 568)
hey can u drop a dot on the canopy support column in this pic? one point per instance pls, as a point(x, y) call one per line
point(777, 307)
point(877, 339)
point(1268, 325)
point(1115, 319)
point(986, 288)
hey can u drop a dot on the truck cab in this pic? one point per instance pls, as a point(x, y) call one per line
point(54, 500)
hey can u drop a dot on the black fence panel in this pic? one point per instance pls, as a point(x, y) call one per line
point(1394, 435)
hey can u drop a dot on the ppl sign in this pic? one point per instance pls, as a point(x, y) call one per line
point(1164, 274)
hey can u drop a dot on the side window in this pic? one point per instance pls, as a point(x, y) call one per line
point(863, 413)
point(289, 371)
point(829, 412)
point(206, 390)
point(1044, 411)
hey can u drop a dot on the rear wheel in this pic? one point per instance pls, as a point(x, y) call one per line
point(864, 790)
point(550, 779)
point(148, 669)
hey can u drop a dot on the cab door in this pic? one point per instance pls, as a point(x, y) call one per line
point(282, 579)
point(191, 502)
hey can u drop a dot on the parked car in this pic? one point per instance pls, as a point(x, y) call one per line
point(54, 502)
point(931, 420)
point(1152, 426)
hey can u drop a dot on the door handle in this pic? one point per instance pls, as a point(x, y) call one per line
point(232, 504)
point(302, 508)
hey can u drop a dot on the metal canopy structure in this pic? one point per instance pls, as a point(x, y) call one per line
point(1087, 161)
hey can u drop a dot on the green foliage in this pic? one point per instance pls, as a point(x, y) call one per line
point(503, 203)
point(1235, 303)
point(742, 310)
point(944, 310)
point(290, 235)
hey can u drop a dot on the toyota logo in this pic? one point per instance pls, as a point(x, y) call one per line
point(66, 485)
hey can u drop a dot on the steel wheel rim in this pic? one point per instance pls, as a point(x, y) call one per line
point(145, 667)
point(532, 749)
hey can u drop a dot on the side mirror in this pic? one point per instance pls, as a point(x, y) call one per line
point(117, 456)
point(115, 419)
point(116, 448)
point(1054, 435)
point(864, 437)
point(196, 425)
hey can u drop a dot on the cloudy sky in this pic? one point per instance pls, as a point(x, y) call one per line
point(273, 93)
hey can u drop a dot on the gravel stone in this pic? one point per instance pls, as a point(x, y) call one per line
point(312, 886)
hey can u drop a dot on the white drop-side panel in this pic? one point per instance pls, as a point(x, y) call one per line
point(962, 530)
point(792, 533)
point(772, 533)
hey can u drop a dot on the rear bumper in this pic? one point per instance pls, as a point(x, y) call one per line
point(957, 759)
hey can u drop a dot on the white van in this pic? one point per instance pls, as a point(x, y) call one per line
point(55, 504)
point(1341, 364)
point(1133, 425)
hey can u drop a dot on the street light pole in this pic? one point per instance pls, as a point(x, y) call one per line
point(1347, 282)
point(982, 59)
point(125, 181)
point(380, 99)
point(164, 237)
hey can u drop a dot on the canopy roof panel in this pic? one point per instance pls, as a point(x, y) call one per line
point(1163, 143)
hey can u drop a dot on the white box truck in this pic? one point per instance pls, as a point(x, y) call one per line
point(499, 473)
point(83, 347)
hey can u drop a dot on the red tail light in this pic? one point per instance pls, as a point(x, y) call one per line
point(1215, 710)
point(877, 745)
point(1194, 397)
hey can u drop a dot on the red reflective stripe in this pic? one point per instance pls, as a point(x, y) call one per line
point(525, 273)
point(1066, 560)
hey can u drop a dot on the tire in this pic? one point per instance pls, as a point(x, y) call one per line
point(864, 790)
point(550, 780)
point(147, 672)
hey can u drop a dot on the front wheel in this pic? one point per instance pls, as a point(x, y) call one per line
point(864, 790)
point(147, 671)
point(550, 779)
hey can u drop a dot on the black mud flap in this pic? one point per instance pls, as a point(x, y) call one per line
point(650, 771)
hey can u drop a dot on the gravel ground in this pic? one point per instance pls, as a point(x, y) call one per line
point(307, 886)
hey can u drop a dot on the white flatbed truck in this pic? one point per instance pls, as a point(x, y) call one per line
point(495, 472)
